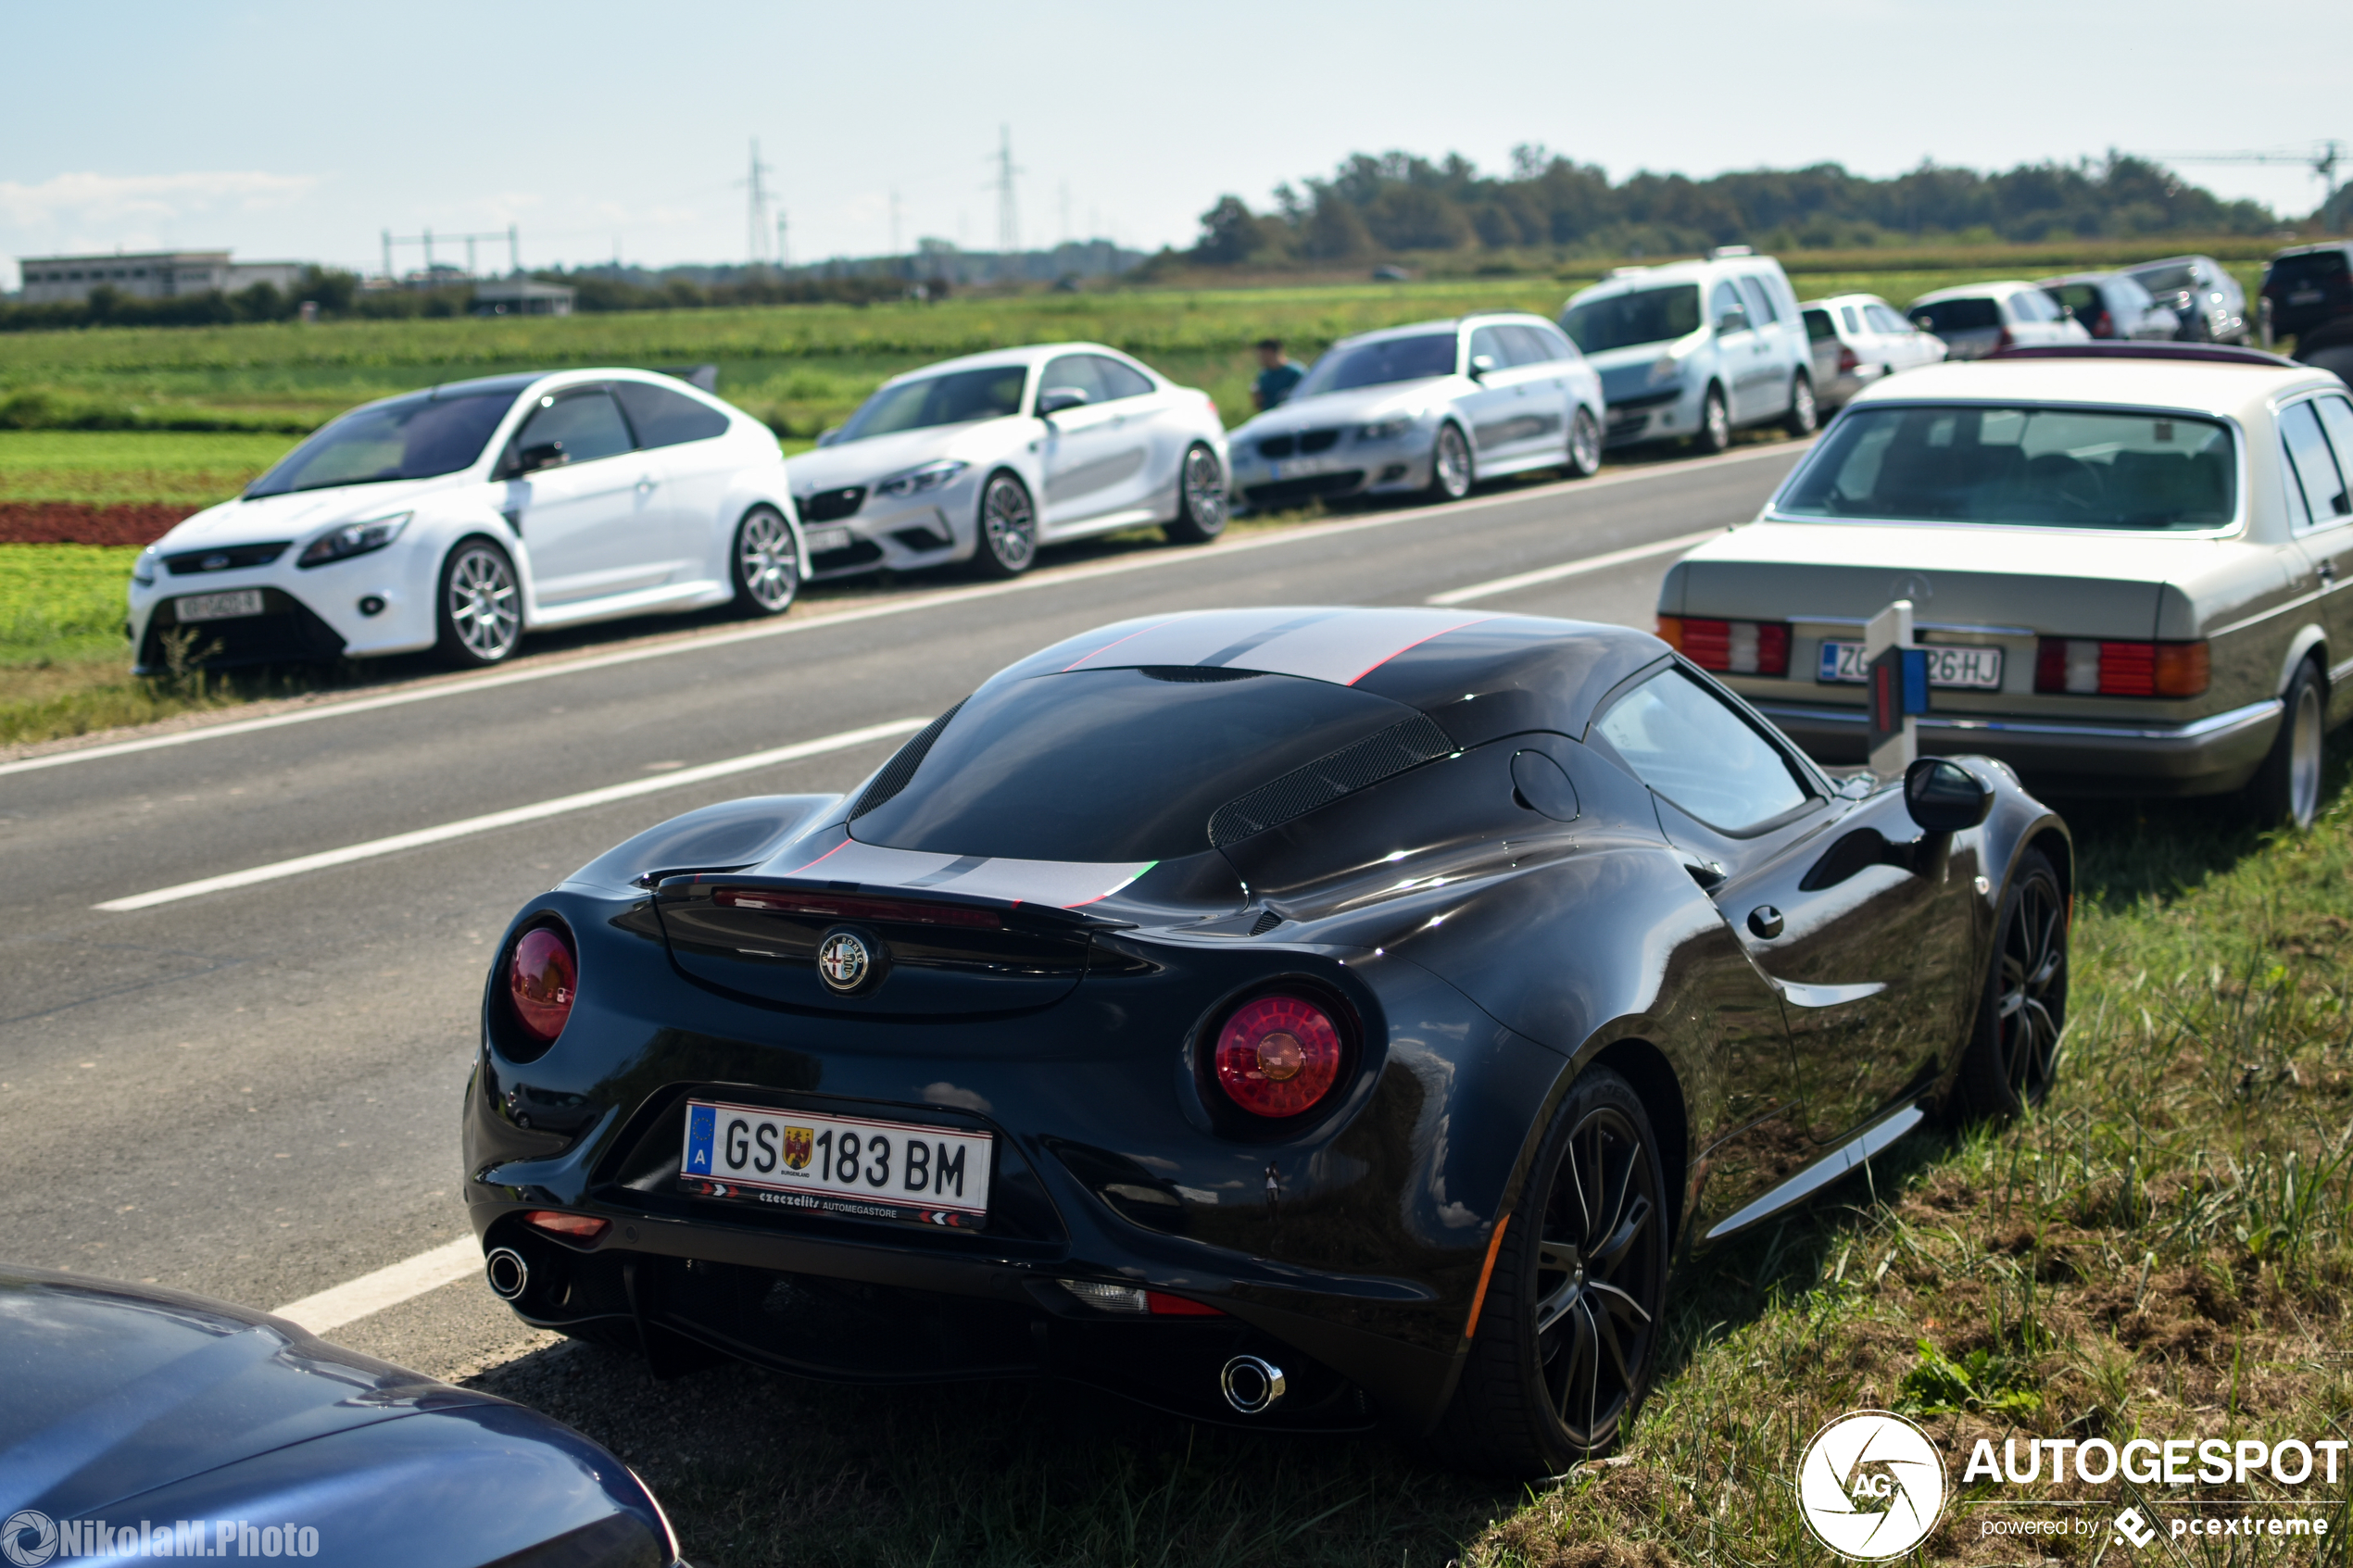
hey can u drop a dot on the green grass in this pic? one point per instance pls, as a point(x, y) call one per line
point(60, 602)
point(802, 367)
point(99, 466)
point(2165, 1249)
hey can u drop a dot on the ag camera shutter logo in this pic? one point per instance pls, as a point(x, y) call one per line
point(1871, 1485)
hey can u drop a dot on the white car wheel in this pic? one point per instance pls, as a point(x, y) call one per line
point(1007, 528)
point(1450, 464)
point(766, 564)
point(1584, 445)
point(480, 606)
point(1200, 499)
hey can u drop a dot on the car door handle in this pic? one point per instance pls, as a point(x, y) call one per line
point(2328, 571)
point(1707, 873)
point(645, 482)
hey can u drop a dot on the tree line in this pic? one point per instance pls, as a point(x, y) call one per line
point(1397, 203)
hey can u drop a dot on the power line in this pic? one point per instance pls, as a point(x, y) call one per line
point(2322, 157)
point(755, 218)
point(1008, 214)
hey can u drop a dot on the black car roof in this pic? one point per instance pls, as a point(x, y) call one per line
point(1480, 675)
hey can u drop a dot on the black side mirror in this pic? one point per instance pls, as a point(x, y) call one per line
point(1943, 796)
point(544, 455)
point(1054, 399)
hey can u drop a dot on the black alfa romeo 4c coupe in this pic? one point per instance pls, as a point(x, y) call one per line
point(1332, 1019)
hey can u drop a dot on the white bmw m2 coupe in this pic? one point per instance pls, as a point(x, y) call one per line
point(459, 517)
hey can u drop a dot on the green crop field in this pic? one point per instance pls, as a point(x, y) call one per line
point(798, 366)
point(100, 467)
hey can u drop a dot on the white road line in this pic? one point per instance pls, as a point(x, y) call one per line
point(1048, 578)
point(373, 1293)
point(1569, 568)
point(513, 815)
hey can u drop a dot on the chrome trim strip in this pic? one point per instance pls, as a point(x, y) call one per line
point(2261, 616)
point(2340, 673)
point(1917, 625)
point(1823, 1172)
point(2197, 729)
point(1827, 996)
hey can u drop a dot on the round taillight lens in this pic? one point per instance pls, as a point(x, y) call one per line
point(1278, 1056)
point(542, 979)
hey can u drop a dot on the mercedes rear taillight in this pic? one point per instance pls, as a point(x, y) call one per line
point(1278, 1056)
point(1730, 648)
point(2088, 667)
point(1847, 362)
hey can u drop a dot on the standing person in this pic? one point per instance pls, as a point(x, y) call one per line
point(1277, 375)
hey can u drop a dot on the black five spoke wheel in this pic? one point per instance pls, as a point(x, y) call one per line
point(1567, 1334)
point(1596, 1310)
point(2012, 1055)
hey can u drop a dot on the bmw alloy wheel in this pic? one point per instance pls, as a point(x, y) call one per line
point(482, 604)
point(1584, 445)
point(1450, 464)
point(1201, 498)
point(767, 565)
point(1007, 528)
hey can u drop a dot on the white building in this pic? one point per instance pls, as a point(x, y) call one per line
point(162, 274)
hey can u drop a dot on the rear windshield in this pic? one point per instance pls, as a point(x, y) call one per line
point(2165, 279)
point(1375, 364)
point(410, 438)
point(2312, 267)
point(1946, 316)
point(1623, 321)
point(951, 399)
point(2057, 468)
point(1115, 765)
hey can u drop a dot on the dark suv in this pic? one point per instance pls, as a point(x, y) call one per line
point(2308, 285)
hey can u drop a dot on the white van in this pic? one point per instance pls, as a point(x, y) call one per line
point(1695, 350)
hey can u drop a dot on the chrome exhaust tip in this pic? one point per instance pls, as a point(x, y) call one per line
point(510, 1276)
point(1251, 1384)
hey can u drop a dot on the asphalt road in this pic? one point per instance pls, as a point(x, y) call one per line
point(253, 1093)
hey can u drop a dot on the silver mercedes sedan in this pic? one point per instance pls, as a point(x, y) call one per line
point(1433, 408)
point(2130, 564)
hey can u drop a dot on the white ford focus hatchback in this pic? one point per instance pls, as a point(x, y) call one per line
point(459, 517)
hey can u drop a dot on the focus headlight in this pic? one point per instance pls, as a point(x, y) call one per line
point(143, 570)
point(1665, 369)
point(1385, 430)
point(353, 539)
point(915, 482)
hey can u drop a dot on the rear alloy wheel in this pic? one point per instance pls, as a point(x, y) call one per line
point(2012, 1055)
point(2286, 791)
point(1584, 444)
point(765, 563)
point(479, 608)
point(1201, 498)
point(1008, 529)
point(1569, 1333)
point(1450, 464)
point(1715, 422)
point(1805, 414)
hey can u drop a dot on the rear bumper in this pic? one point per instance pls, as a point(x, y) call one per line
point(2209, 756)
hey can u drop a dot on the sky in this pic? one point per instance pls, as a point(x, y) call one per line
point(303, 132)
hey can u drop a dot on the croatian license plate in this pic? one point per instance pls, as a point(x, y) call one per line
point(1977, 668)
point(852, 1165)
point(218, 606)
point(829, 539)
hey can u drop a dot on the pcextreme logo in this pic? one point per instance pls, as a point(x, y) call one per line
point(1871, 1485)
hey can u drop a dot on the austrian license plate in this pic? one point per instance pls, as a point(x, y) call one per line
point(822, 539)
point(218, 606)
point(1977, 668)
point(838, 1165)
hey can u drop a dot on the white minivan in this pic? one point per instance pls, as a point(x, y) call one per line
point(1695, 350)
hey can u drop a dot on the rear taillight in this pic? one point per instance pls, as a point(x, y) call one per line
point(2103, 325)
point(542, 978)
point(555, 1221)
point(2003, 341)
point(1733, 648)
point(1278, 1056)
point(2082, 667)
point(1846, 360)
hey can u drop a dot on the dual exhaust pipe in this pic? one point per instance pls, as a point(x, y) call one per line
point(1251, 1384)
